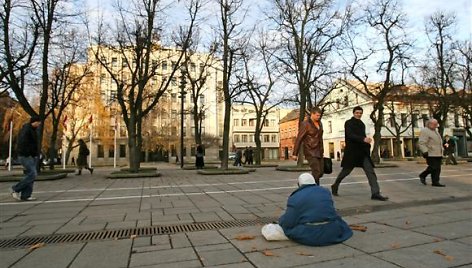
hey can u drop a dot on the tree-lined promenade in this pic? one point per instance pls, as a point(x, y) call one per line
point(54, 57)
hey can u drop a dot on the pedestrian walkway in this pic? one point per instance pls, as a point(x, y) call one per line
point(421, 226)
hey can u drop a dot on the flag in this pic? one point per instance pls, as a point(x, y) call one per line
point(90, 119)
point(6, 124)
point(64, 122)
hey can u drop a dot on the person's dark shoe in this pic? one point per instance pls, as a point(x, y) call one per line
point(379, 197)
point(91, 171)
point(438, 185)
point(423, 180)
point(334, 189)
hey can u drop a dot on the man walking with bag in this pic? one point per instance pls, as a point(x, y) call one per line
point(28, 156)
point(311, 135)
point(357, 154)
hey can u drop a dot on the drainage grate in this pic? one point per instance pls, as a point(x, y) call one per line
point(127, 233)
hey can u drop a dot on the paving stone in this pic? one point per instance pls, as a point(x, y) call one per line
point(425, 256)
point(58, 255)
point(42, 229)
point(179, 241)
point(364, 261)
point(257, 244)
point(236, 265)
point(10, 256)
point(299, 255)
point(9, 232)
point(203, 238)
point(205, 217)
point(415, 221)
point(448, 230)
point(375, 242)
point(113, 254)
point(184, 264)
point(214, 247)
point(73, 228)
point(120, 225)
point(163, 257)
point(221, 256)
point(465, 240)
point(142, 241)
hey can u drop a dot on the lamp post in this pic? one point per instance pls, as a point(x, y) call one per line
point(183, 82)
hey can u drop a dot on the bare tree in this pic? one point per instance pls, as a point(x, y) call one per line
point(258, 83)
point(309, 32)
point(464, 94)
point(387, 22)
point(135, 42)
point(231, 35)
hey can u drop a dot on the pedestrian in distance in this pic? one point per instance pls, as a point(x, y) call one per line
point(250, 155)
point(310, 135)
point(311, 218)
point(28, 153)
point(357, 154)
point(199, 160)
point(238, 158)
point(449, 150)
point(246, 156)
point(73, 161)
point(82, 158)
point(431, 146)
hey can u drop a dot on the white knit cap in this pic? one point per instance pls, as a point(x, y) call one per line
point(305, 179)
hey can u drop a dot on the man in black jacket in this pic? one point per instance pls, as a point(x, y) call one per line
point(28, 155)
point(357, 154)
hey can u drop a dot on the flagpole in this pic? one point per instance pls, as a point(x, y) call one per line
point(63, 151)
point(114, 146)
point(10, 162)
point(90, 146)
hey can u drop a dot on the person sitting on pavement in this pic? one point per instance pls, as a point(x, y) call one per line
point(310, 217)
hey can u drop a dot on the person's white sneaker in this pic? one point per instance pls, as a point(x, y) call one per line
point(30, 199)
point(16, 196)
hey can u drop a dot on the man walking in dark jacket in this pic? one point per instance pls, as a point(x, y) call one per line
point(28, 156)
point(357, 154)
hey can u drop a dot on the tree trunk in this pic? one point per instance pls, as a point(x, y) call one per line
point(397, 149)
point(257, 140)
point(52, 155)
point(224, 160)
point(134, 151)
point(377, 136)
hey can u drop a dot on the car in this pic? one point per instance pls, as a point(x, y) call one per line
point(232, 156)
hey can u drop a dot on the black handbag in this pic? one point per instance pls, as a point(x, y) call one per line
point(327, 165)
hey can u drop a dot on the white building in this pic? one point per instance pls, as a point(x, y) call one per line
point(243, 120)
point(409, 117)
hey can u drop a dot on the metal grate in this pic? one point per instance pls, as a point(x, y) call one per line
point(127, 233)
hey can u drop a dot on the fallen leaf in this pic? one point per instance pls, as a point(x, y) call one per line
point(407, 222)
point(395, 245)
point(244, 237)
point(133, 236)
point(437, 240)
point(449, 258)
point(36, 246)
point(357, 227)
point(304, 254)
point(269, 253)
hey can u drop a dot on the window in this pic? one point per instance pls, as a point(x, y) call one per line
point(346, 101)
point(266, 138)
point(155, 64)
point(414, 120)
point(243, 122)
point(124, 63)
point(114, 62)
point(243, 138)
point(164, 65)
point(236, 138)
point(266, 122)
point(173, 96)
point(273, 138)
point(193, 67)
point(173, 82)
point(103, 78)
point(202, 67)
point(123, 131)
point(425, 120)
point(251, 137)
point(272, 122)
point(330, 127)
point(252, 122)
point(403, 118)
point(122, 150)
point(392, 120)
point(236, 122)
point(100, 152)
point(202, 99)
point(173, 114)
point(111, 152)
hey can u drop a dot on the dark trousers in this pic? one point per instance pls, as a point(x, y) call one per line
point(316, 166)
point(434, 168)
point(451, 160)
point(368, 170)
point(25, 186)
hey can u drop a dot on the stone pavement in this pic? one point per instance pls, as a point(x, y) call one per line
point(421, 226)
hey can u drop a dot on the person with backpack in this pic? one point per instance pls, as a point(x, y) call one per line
point(82, 158)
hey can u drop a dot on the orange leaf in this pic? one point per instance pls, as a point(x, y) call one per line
point(304, 254)
point(244, 237)
point(36, 246)
point(439, 252)
point(395, 245)
point(449, 258)
point(269, 253)
point(357, 227)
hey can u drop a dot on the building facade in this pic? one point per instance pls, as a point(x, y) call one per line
point(288, 133)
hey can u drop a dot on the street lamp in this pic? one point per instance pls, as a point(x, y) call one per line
point(414, 120)
point(183, 82)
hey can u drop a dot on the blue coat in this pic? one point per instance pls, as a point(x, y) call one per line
point(311, 218)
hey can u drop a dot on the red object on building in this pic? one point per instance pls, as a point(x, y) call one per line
point(288, 127)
